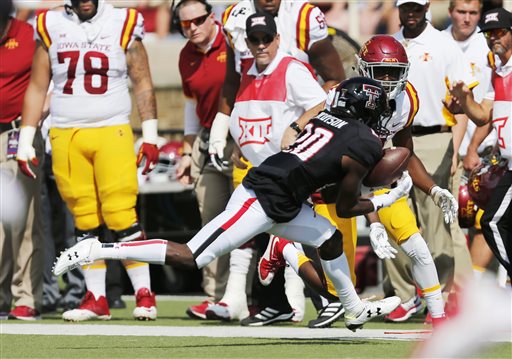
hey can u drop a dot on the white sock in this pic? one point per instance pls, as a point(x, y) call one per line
point(291, 255)
point(139, 275)
point(151, 251)
point(95, 276)
point(235, 296)
point(339, 273)
point(478, 272)
point(294, 289)
point(425, 274)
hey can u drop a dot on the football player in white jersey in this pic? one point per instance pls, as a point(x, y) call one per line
point(384, 59)
point(88, 51)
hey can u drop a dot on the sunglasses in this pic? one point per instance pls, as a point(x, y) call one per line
point(198, 21)
point(497, 33)
point(265, 40)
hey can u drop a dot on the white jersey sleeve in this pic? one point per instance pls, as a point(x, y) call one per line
point(304, 89)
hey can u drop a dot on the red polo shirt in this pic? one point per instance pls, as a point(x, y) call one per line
point(202, 76)
point(16, 54)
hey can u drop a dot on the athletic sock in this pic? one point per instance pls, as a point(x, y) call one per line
point(95, 275)
point(425, 274)
point(151, 251)
point(139, 275)
point(338, 271)
point(235, 294)
point(294, 257)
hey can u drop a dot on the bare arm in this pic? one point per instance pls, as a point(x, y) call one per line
point(417, 171)
point(349, 203)
point(35, 95)
point(472, 159)
point(325, 60)
point(290, 135)
point(138, 70)
point(231, 84)
point(458, 131)
point(479, 113)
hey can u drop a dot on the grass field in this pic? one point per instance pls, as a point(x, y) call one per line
point(172, 314)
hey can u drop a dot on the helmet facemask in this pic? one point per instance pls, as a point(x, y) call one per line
point(376, 70)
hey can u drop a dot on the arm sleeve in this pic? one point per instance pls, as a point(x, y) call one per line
point(191, 125)
point(301, 85)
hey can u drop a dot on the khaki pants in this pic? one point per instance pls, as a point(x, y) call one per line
point(443, 240)
point(21, 241)
point(213, 190)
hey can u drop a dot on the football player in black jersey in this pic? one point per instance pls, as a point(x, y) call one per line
point(337, 146)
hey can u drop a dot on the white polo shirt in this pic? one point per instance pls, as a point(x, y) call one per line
point(475, 50)
point(434, 57)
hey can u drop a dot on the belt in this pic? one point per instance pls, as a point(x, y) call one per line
point(428, 130)
point(8, 126)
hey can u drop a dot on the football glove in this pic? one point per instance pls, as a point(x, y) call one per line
point(26, 154)
point(402, 189)
point(217, 141)
point(445, 200)
point(380, 243)
point(148, 151)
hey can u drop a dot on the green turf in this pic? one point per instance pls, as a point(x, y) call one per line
point(171, 313)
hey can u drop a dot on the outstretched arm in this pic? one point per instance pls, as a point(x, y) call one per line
point(479, 113)
point(325, 60)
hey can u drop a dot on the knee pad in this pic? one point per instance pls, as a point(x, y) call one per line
point(417, 249)
point(132, 233)
point(333, 247)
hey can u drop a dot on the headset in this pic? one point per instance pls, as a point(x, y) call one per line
point(175, 21)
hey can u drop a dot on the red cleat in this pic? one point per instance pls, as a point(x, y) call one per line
point(145, 308)
point(23, 312)
point(271, 260)
point(198, 311)
point(90, 308)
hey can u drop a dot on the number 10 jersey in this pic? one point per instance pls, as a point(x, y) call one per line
point(88, 64)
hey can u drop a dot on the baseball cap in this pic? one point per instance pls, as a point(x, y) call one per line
point(496, 19)
point(261, 22)
point(420, 2)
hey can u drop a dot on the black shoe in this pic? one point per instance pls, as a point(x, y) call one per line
point(117, 303)
point(267, 316)
point(49, 308)
point(328, 315)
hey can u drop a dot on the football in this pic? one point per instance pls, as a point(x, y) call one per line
point(390, 167)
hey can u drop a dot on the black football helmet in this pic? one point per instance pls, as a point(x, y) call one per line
point(363, 99)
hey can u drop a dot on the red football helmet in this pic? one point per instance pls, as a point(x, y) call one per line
point(381, 55)
point(485, 178)
point(467, 207)
point(170, 155)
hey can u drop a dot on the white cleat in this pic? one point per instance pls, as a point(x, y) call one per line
point(81, 253)
point(371, 310)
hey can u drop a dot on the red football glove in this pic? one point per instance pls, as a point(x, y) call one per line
point(148, 153)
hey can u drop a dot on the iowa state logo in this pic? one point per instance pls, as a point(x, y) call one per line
point(254, 130)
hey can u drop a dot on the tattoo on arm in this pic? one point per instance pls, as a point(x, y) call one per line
point(138, 70)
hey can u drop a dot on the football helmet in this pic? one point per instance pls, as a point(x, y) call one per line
point(170, 156)
point(363, 99)
point(484, 179)
point(467, 207)
point(384, 55)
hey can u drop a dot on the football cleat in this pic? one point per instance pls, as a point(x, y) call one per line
point(405, 310)
point(90, 308)
point(371, 310)
point(271, 260)
point(328, 315)
point(81, 253)
point(145, 307)
point(225, 311)
point(267, 316)
point(198, 311)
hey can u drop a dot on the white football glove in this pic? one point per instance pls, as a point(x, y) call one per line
point(445, 200)
point(380, 243)
point(217, 141)
point(402, 189)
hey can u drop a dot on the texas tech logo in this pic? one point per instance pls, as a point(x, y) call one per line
point(373, 93)
point(254, 130)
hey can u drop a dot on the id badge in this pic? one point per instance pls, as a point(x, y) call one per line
point(12, 144)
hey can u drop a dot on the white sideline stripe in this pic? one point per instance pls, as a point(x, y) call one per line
point(215, 331)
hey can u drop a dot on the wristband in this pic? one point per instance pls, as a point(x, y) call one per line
point(296, 127)
point(150, 131)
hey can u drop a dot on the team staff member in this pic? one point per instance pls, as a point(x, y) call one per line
point(496, 107)
point(88, 51)
point(433, 58)
point(202, 66)
point(271, 199)
point(465, 15)
point(21, 242)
